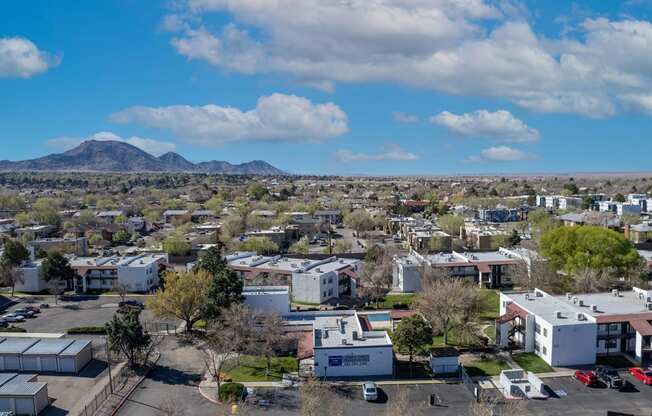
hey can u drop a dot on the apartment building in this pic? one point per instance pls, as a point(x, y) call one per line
point(501, 214)
point(74, 245)
point(138, 273)
point(487, 269)
point(311, 281)
point(558, 202)
point(574, 329)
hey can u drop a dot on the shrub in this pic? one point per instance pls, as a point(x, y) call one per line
point(231, 392)
point(400, 306)
point(100, 330)
point(13, 329)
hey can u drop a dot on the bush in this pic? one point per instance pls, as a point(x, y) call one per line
point(400, 306)
point(99, 330)
point(231, 392)
point(13, 329)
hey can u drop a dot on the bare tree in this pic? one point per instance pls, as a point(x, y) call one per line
point(121, 289)
point(494, 407)
point(402, 405)
point(56, 289)
point(446, 302)
point(10, 276)
point(172, 406)
point(376, 278)
point(267, 336)
point(588, 280)
point(218, 354)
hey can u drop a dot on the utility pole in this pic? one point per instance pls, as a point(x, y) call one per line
point(330, 242)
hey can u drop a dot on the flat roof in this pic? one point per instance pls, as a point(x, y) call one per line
point(76, 347)
point(16, 345)
point(331, 331)
point(49, 347)
point(547, 306)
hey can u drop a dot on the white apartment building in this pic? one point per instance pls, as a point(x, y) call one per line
point(488, 269)
point(274, 299)
point(558, 201)
point(573, 329)
point(341, 348)
point(139, 273)
point(311, 281)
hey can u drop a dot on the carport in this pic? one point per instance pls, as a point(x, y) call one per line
point(11, 350)
point(75, 356)
point(43, 355)
point(22, 394)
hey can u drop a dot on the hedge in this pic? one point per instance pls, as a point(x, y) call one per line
point(231, 392)
point(99, 330)
point(13, 329)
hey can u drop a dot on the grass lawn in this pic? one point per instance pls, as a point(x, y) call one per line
point(389, 300)
point(201, 324)
point(486, 367)
point(490, 304)
point(490, 331)
point(252, 368)
point(532, 362)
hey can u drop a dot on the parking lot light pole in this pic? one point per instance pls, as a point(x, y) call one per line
point(108, 361)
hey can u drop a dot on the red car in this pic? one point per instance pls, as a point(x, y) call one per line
point(642, 374)
point(588, 378)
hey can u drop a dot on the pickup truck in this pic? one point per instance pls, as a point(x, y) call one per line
point(610, 377)
point(588, 378)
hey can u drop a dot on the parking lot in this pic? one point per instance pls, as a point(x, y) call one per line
point(92, 311)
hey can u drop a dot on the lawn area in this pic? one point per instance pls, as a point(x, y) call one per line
point(531, 362)
point(490, 331)
point(490, 304)
point(252, 368)
point(389, 300)
point(486, 367)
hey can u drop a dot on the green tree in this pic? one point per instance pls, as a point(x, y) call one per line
point(513, 239)
point(121, 237)
point(56, 270)
point(13, 256)
point(176, 245)
point(302, 246)
point(125, 336)
point(414, 336)
point(257, 191)
point(573, 248)
point(451, 224)
point(260, 245)
point(216, 203)
point(359, 220)
point(224, 288)
point(619, 198)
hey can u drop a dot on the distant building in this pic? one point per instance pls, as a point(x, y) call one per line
point(271, 299)
point(76, 245)
point(500, 215)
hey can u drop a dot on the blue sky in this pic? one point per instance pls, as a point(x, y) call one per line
point(316, 86)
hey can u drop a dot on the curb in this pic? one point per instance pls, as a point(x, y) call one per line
point(206, 396)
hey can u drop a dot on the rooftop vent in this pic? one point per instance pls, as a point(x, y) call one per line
point(649, 306)
point(325, 333)
point(559, 315)
point(581, 317)
point(343, 341)
point(575, 299)
point(569, 295)
point(594, 308)
point(615, 292)
point(355, 335)
point(580, 302)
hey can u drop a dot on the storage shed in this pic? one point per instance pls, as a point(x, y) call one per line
point(444, 360)
point(22, 394)
point(75, 356)
point(11, 351)
point(43, 355)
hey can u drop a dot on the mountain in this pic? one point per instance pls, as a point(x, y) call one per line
point(115, 156)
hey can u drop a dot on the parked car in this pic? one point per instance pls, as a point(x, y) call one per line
point(33, 308)
point(369, 391)
point(642, 374)
point(10, 317)
point(44, 305)
point(24, 312)
point(610, 377)
point(3, 323)
point(133, 303)
point(588, 378)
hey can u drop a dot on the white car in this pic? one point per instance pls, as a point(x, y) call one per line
point(10, 317)
point(370, 391)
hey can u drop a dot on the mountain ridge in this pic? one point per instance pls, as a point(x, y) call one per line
point(117, 156)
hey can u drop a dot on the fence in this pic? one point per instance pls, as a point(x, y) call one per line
point(471, 385)
point(117, 380)
point(160, 327)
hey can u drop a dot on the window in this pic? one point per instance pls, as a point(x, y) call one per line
point(330, 280)
point(537, 346)
point(324, 294)
point(613, 327)
point(545, 351)
point(545, 332)
point(610, 343)
point(330, 292)
point(537, 328)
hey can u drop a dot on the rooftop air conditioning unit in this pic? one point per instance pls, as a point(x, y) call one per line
point(649, 306)
point(527, 296)
point(594, 308)
point(343, 341)
point(575, 299)
point(559, 314)
point(569, 295)
point(580, 302)
point(581, 317)
point(614, 292)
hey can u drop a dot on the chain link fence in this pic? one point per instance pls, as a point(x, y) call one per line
point(118, 379)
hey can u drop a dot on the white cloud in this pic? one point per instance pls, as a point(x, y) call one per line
point(20, 57)
point(439, 45)
point(501, 154)
point(150, 146)
point(404, 117)
point(500, 126)
point(276, 118)
point(641, 103)
point(388, 152)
